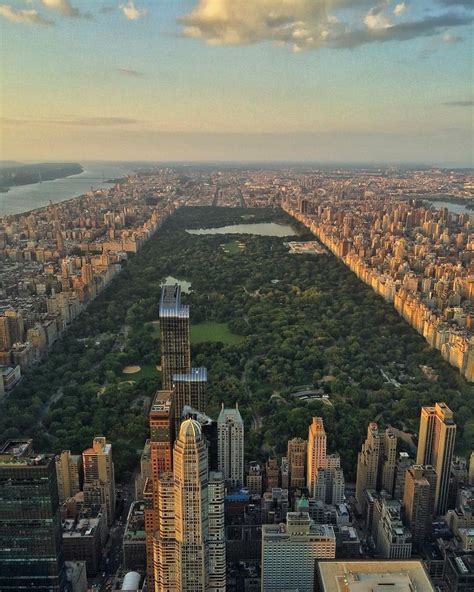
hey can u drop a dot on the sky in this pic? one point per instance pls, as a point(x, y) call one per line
point(237, 80)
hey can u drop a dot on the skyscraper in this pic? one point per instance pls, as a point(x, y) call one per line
point(161, 460)
point(189, 546)
point(68, 473)
point(216, 547)
point(296, 455)
point(316, 453)
point(230, 445)
point(174, 332)
point(419, 501)
point(435, 447)
point(376, 463)
point(162, 432)
point(190, 389)
point(99, 476)
point(30, 527)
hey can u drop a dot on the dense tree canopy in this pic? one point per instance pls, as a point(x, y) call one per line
point(308, 322)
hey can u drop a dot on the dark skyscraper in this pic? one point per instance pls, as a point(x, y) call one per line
point(30, 529)
point(190, 389)
point(174, 332)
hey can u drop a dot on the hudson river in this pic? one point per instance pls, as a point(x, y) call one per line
point(29, 197)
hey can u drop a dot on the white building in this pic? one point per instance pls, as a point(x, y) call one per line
point(289, 552)
point(230, 446)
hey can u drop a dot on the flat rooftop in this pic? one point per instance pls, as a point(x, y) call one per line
point(170, 302)
point(373, 576)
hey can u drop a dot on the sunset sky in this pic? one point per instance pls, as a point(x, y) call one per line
point(312, 80)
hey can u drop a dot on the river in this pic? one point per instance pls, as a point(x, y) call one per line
point(29, 197)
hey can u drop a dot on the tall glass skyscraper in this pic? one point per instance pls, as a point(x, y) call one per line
point(30, 529)
point(174, 333)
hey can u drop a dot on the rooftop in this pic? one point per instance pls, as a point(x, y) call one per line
point(373, 576)
point(170, 303)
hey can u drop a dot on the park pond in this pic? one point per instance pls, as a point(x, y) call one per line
point(260, 229)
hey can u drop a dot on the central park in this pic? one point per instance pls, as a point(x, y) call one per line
point(286, 336)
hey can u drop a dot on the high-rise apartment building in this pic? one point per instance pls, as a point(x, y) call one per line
point(254, 478)
point(162, 432)
point(68, 473)
point(99, 476)
point(190, 505)
point(316, 453)
point(30, 528)
point(174, 333)
point(190, 390)
point(230, 446)
point(335, 483)
point(394, 540)
point(436, 439)
point(403, 463)
point(296, 454)
point(161, 461)
point(376, 463)
point(272, 474)
point(419, 501)
point(216, 546)
point(290, 551)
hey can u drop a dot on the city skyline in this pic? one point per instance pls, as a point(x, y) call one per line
point(202, 80)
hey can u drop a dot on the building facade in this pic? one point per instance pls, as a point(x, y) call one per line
point(174, 333)
point(290, 551)
point(31, 555)
point(230, 446)
point(99, 476)
point(436, 440)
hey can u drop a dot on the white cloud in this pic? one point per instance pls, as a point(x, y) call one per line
point(309, 24)
point(24, 17)
point(400, 8)
point(64, 7)
point(375, 19)
point(132, 12)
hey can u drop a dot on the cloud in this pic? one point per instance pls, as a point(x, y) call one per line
point(129, 72)
point(376, 19)
point(73, 121)
point(451, 39)
point(23, 17)
point(400, 8)
point(459, 104)
point(308, 24)
point(132, 12)
point(64, 8)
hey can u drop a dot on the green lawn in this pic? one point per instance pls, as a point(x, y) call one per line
point(232, 247)
point(211, 331)
point(146, 371)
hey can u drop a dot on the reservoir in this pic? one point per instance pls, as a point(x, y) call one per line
point(23, 198)
point(261, 229)
point(452, 207)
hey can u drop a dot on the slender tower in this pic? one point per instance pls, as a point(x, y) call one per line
point(230, 445)
point(191, 508)
point(435, 447)
point(174, 332)
point(316, 454)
